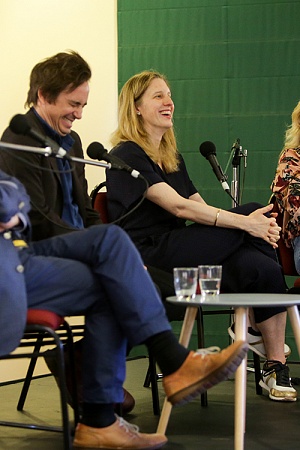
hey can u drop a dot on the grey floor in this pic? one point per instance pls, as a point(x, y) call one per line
point(270, 425)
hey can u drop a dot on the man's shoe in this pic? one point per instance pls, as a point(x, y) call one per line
point(256, 343)
point(125, 407)
point(201, 370)
point(128, 403)
point(276, 380)
point(120, 434)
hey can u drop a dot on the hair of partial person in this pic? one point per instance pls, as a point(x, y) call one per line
point(64, 71)
point(131, 127)
point(292, 134)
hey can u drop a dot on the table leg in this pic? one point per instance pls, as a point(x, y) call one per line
point(184, 339)
point(240, 329)
point(295, 322)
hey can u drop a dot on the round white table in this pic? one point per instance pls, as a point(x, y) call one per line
point(241, 304)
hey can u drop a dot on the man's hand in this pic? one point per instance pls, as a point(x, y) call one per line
point(13, 222)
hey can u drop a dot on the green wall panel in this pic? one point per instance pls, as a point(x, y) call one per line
point(203, 24)
point(234, 68)
point(234, 72)
point(183, 62)
point(263, 21)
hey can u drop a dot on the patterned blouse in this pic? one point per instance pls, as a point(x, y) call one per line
point(286, 188)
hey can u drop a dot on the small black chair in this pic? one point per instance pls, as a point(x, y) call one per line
point(45, 328)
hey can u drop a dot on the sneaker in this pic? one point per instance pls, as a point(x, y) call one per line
point(276, 380)
point(256, 343)
point(201, 370)
point(120, 434)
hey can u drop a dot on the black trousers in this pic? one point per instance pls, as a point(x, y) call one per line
point(249, 264)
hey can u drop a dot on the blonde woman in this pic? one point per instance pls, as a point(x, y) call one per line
point(242, 240)
point(286, 186)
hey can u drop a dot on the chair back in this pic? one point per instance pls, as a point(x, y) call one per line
point(99, 202)
point(286, 254)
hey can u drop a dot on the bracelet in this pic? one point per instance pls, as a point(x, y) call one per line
point(217, 216)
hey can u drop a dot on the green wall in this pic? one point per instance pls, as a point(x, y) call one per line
point(234, 69)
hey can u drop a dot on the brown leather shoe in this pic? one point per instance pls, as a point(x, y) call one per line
point(120, 434)
point(202, 370)
point(128, 402)
point(49, 356)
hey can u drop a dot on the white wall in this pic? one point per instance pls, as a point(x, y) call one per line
point(31, 30)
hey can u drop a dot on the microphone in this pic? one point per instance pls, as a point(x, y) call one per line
point(20, 125)
point(96, 151)
point(236, 145)
point(208, 150)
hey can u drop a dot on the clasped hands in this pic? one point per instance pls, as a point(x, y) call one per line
point(264, 226)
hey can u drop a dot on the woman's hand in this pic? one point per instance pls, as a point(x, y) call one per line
point(264, 227)
point(13, 222)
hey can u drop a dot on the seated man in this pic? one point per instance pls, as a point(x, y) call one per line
point(58, 93)
point(89, 272)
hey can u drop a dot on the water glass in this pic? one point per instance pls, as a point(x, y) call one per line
point(210, 279)
point(185, 282)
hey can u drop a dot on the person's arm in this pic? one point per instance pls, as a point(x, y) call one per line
point(196, 210)
point(14, 204)
point(197, 198)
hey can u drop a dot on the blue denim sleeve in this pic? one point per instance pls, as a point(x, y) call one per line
point(13, 199)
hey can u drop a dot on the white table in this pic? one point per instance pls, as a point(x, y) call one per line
point(241, 304)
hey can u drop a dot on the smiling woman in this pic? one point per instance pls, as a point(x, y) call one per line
point(154, 132)
point(243, 238)
point(156, 109)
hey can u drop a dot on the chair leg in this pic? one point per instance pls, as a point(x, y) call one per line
point(63, 392)
point(200, 334)
point(257, 373)
point(154, 386)
point(72, 365)
point(29, 374)
point(147, 378)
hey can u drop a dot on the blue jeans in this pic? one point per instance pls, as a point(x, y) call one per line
point(98, 273)
point(296, 247)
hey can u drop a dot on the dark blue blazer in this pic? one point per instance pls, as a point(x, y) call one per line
point(13, 301)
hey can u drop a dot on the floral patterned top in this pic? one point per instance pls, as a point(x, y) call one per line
point(286, 188)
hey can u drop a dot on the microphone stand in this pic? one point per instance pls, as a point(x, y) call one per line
point(236, 161)
point(107, 165)
point(49, 152)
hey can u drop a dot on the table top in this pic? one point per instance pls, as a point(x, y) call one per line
point(246, 300)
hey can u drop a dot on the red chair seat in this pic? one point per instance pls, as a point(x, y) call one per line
point(297, 283)
point(45, 318)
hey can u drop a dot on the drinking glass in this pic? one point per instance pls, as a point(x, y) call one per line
point(210, 279)
point(185, 282)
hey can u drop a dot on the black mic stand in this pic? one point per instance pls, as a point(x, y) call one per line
point(236, 162)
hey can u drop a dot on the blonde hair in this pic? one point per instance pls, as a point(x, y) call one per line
point(292, 134)
point(131, 128)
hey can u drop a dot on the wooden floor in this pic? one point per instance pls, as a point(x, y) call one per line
point(270, 425)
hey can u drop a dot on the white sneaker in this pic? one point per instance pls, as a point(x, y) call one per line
point(276, 380)
point(256, 343)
